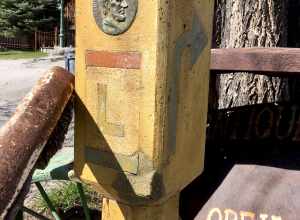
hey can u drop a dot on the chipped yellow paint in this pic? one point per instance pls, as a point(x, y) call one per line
point(111, 129)
point(149, 121)
point(166, 211)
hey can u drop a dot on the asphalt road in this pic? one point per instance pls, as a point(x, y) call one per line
point(17, 77)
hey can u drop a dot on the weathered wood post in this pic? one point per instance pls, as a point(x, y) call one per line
point(142, 72)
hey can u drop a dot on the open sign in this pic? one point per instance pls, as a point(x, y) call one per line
point(229, 214)
point(252, 192)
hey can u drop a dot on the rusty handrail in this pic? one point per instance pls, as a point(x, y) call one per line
point(24, 136)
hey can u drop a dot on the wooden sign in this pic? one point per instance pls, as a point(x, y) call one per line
point(252, 192)
point(273, 122)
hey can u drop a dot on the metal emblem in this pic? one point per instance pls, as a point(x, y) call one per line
point(114, 17)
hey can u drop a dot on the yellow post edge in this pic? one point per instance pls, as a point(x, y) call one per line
point(142, 77)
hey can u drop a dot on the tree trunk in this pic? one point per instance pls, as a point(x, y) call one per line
point(250, 23)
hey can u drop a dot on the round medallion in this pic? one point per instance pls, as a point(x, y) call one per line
point(114, 17)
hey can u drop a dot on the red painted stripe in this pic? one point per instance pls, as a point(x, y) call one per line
point(123, 60)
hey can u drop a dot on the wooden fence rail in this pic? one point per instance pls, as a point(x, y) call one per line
point(40, 39)
point(15, 43)
point(45, 39)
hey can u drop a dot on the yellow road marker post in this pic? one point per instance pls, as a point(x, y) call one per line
point(142, 76)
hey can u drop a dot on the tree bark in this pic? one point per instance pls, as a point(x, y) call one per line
point(250, 23)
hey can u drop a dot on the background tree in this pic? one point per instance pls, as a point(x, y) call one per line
point(250, 23)
point(19, 17)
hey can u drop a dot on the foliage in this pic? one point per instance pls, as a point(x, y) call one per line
point(67, 197)
point(18, 54)
point(19, 17)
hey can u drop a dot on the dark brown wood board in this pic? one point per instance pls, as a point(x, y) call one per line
point(269, 61)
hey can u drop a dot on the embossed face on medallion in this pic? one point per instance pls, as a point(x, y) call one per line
point(114, 16)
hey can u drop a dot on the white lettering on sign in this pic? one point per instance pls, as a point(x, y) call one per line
point(213, 213)
point(263, 216)
point(247, 215)
point(276, 218)
point(229, 214)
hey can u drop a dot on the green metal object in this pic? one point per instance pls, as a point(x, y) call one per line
point(83, 201)
point(20, 215)
point(58, 168)
point(52, 208)
point(33, 213)
point(47, 200)
point(62, 24)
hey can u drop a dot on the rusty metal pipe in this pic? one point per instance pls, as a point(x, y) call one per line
point(23, 137)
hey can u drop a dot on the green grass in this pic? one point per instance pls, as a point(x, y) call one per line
point(67, 196)
point(19, 54)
